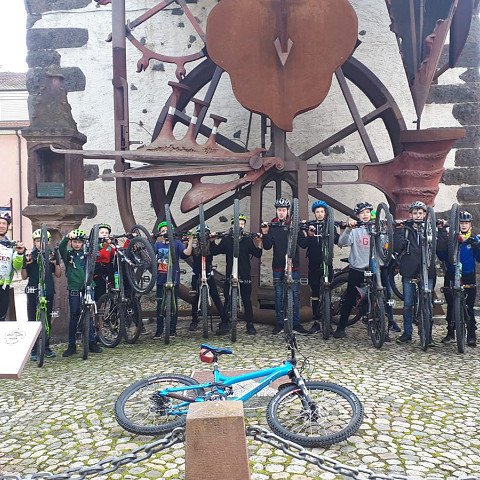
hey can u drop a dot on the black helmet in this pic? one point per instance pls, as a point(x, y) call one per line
point(282, 202)
point(465, 216)
point(359, 207)
point(417, 204)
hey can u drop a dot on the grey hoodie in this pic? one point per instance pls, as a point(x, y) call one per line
point(359, 241)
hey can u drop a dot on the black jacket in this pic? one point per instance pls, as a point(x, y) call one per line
point(314, 247)
point(277, 237)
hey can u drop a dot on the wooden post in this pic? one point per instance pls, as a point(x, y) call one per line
point(216, 445)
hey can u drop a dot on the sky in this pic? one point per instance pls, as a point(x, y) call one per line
point(13, 49)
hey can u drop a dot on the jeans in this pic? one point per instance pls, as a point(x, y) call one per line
point(277, 282)
point(409, 298)
point(74, 302)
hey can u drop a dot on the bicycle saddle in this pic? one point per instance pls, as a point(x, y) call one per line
point(218, 351)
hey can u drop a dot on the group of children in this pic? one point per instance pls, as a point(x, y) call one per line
point(406, 245)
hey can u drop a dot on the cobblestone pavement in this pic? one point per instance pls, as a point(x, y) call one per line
point(421, 408)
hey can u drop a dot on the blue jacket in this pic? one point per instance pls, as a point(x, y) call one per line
point(468, 253)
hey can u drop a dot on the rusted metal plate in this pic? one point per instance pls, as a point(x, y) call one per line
point(281, 54)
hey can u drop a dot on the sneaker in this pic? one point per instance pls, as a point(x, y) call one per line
point(449, 338)
point(70, 350)
point(404, 338)
point(193, 326)
point(93, 347)
point(33, 357)
point(339, 333)
point(223, 328)
point(472, 340)
point(49, 353)
point(300, 329)
point(315, 328)
point(432, 344)
point(251, 329)
point(158, 334)
point(278, 328)
point(144, 331)
point(173, 334)
point(394, 327)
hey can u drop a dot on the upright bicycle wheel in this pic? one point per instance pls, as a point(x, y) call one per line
point(171, 237)
point(234, 311)
point(459, 319)
point(42, 337)
point(430, 240)
point(331, 414)
point(86, 319)
point(168, 312)
point(394, 277)
point(236, 251)
point(142, 410)
point(44, 254)
point(236, 228)
point(202, 234)
point(91, 254)
point(204, 309)
point(141, 265)
point(293, 233)
point(425, 320)
point(288, 310)
point(377, 324)
point(109, 320)
point(338, 291)
point(133, 320)
point(384, 227)
point(453, 232)
point(329, 238)
point(141, 231)
point(326, 313)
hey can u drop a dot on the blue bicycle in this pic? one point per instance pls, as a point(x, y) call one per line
point(312, 414)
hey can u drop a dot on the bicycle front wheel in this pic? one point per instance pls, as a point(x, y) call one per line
point(41, 341)
point(289, 309)
point(141, 265)
point(384, 227)
point(204, 309)
point(168, 313)
point(133, 320)
point(425, 321)
point(294, 227)
point(453, 231)
point(459, 319)
point(142, 410)
point(109, 320)
point(377, 324)
point(234, 312)
point(326, 314)
point(330, 415)
point(85, 331)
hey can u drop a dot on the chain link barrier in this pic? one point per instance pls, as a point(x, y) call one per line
point(257, 432)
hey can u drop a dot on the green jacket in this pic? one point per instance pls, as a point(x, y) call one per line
point(74, 265)
point(10, 260)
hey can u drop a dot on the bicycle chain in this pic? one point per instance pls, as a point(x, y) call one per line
point(258, 433)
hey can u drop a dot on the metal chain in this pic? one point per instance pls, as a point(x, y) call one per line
point(111, 464)
point(259, 433)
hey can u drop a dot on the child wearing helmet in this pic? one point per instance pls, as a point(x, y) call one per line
point(247, 249)
point(277, 238)
point(212, 286)
point(104, 263)
point(74, 260)
point(161, 250)
point(469, 254)
point(407, 246)
point(312, 241)
point(11, 259)
point(30, 271)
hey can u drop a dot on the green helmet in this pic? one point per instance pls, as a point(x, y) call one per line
point(38, 234)
point(105, 225)
point(163, 224)
point(241, 216)
point(79, 234)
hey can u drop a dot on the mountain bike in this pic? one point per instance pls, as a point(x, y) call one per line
point(310, 413)
point(203, 288)
point(119, 313)
point(324, 233)
point(372, 299)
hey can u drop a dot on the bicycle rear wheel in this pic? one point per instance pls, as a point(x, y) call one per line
point(377, 324)
point(234, 312)
point(168, 299)
point(204, 309)
point(425, 320)
point(430, 243)
point(338, 290)
point(328, 240)
point(453, 232)
point(202, 234)
point(85, 330)
point(459, 320)
point(133, 320)
point(109, 320)
point(236, 228)
point(384, 227)
point(331, 414)
point(42, 337)
point(293, 233)
point(326, 313)
point(141, 265)
point(289, 309)
point(141, 231)
point(44, 255)
point(171, 237)
point(91, 254)
point(142, 410)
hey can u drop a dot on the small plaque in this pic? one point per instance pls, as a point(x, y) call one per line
point(50, 190)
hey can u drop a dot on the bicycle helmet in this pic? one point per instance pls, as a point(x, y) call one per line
point(417, 204)
point(38, 234)
point(162, 224)
point(207, 229)
point(317, 204)
point(360, 207)
point(465, 216)
point(6, 217)
point(105, 225)
point(80, 234)
point(241, 216)
point(282, 202)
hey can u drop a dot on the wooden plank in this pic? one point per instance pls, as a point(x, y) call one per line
point(16, 342)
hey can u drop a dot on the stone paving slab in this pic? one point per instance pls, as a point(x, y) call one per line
point(421, 408)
